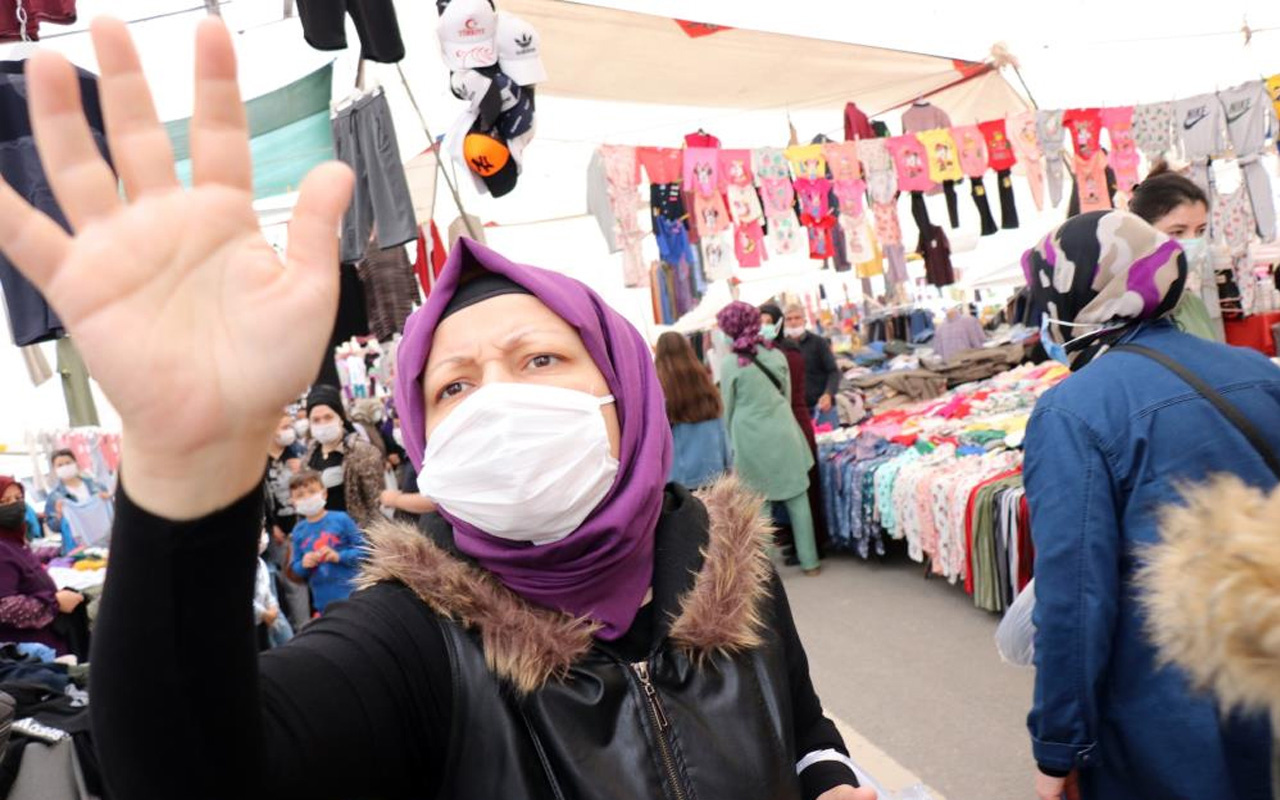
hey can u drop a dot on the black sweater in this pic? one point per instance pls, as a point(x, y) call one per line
point(357, 705)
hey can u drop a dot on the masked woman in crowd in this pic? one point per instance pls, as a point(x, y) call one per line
point(566, 627)
point(350, 467)
point(1148, 410)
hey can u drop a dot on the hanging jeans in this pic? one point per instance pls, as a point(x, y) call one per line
point(1008, 209)
point(953, 205)
point(979, 190)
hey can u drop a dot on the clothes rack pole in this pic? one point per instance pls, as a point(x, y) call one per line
point(453, 189)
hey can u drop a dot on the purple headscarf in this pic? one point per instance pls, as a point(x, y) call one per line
point(741, 323)
point(604, 568)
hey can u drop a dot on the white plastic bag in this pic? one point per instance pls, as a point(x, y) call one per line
point(1016, 636)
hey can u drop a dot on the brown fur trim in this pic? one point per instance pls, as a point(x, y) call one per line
point(722, 612)
point(524, 644)
point(1212, 591)
point(527, 645)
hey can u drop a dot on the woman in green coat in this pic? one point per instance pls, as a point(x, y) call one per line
point(770, 454)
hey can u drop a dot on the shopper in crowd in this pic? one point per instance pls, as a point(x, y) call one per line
point(1174, 205)
point(701, 452)
point(273, 624)
point(769, 450)
point(70, 486)
point(1105, 450)
point(366, 417)
point(642, 631)
point(771, 319)
point(302, 426)
point(959, 333)
point(327, 546)
point(350, 467)
point(32, 607)
point(821, 375)
point(284, 460)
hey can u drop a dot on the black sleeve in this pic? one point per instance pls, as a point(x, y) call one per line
point(357, 705)
point(830, 367)
point(814, 732)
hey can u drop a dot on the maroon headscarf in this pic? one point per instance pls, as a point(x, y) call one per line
point(604, 568)
point(741, 323)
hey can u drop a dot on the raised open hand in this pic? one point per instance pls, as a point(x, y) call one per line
point(184, 314)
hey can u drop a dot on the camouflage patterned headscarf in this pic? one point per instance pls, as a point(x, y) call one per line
point(1108, 271)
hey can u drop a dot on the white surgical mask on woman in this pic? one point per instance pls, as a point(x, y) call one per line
point(301, 427)
point(286, 437)
point(66, 472)
point(327, 433)
point(524, 462)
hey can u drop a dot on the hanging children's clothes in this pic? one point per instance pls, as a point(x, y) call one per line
point(858, 238)
point(717, 256)
point(661, 164)
point(895, 256)
point(1091, 177)
point(748, 244)
point(842, 160)
point(944, 164)
point(1025, 135)
point(1085, 127)
point(873, 265)
point(710, 216)
point(1200, 124)
point(1049, 133)
point(769, 164)
point(807, 161)
point(1153, 130)
point(1231, 220)
point(779, 198)
point(735, 168)
point(849, 195)
point(1251, 119)
point(923, 117)
point(888, 225)
point(1001, 157)
point(936, 251)
point(877, 163)
point(1273, 90)
point(911, 163)
point(744, 204)
point(785, 235)
point(815, 214)
point(1124, 158)
point(701, 138)
point(673, 240)
point(856, 123)
point(973, 161)
point(622, 170)
point(702, 170)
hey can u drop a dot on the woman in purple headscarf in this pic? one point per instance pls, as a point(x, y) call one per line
point(567, 626)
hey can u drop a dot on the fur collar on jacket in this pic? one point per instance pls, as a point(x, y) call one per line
point(527, 645)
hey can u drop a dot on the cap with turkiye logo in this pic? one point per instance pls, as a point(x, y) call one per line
point(489, 157)
point(468, 34)
point(519, 51)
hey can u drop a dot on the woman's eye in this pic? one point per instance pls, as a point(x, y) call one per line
point(452, 390)
point(543, 361)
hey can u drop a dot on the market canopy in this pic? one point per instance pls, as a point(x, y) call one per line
point(607, 54)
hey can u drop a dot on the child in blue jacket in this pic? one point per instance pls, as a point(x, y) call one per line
point(327, 546)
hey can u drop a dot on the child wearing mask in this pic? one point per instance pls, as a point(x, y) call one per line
point(266, 604)
point(327, 547)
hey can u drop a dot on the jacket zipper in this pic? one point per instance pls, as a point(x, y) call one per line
point(661, 724)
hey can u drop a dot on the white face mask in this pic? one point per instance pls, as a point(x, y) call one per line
point(793, 333)
point(67, 471)
point(301, 427)
point(328, 433)
point(286, 437)
point(310, 505)
point(524, 462)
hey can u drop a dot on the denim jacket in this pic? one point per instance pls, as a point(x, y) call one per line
point(1105, 450)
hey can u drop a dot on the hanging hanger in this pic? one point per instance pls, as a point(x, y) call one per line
point(26, 46)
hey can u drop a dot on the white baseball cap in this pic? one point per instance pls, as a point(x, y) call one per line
point(519, 50)
point(468, 32)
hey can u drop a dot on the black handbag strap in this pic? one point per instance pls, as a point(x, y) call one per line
point(777, 384)
point(1224, 406)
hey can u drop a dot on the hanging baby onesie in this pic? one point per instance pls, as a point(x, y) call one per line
point(1231, 220)
point(973, 162)
point(744, 204)
point(807, 161)
point(873, 265)
point(1049, 133)
point(735, 168)
point(661, 164)
point(1085, 127)
point(748, 244)
point(702, 170)
point(769, 164)
point(1024, 133)
point(710, 216)
point(1124, 156)
point(1251, 120)
point(858, 238)
point(785, 235)
point(911, 163)
point(849, 195)
point(1199, 124)
point(888, 225)
point(622, 171)
point(895, 256)
point(815, 215)
point(717, 257)
point(1153, 130)
point(1001, 157)
point(779, 198)
point(944, 164)
point(882, 183)
point(842, 160)
point(1091, 175)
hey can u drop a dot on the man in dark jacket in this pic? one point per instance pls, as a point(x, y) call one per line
point(821, 375)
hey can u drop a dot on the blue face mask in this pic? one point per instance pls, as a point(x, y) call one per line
point(1054, 350)
point(769, 330)
point(1194, 249)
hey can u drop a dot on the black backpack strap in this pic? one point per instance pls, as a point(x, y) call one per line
point(1233, 414)
point(777, 384)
